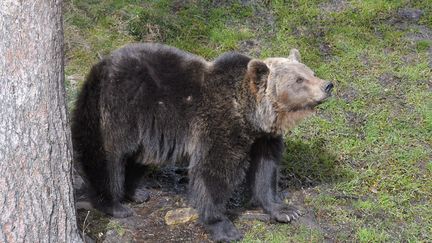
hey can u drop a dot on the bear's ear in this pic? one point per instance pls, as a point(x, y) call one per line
point(258, 72)
point(294, 56)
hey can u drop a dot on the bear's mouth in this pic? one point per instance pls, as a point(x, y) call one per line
point(309, 106)
point(314, 104)
point(318, 102)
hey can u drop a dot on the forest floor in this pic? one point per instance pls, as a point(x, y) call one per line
point(361, 169)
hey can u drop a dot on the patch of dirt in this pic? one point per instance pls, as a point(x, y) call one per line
point(167, 189)
point(389, 79)
point(326, 50)
point(365, 60)
point(411, 58)
point(399, 105)
point(178, 5)
point(406, 15)
point(355, 119)
point(423, 164)
point(410, 14)
point(316, 33)
point(417, 32)
point(147, 225)
point(250, 47)
point(357, 122)
point(407, 19)
point(335, 6)
point(348, 94)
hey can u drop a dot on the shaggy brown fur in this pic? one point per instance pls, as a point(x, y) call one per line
point(150, 103)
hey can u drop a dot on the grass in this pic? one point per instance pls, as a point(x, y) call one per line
point(364, 163)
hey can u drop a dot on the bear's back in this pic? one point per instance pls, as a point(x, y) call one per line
point(153, 73)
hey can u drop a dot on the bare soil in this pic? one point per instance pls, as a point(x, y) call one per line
point(167, 188)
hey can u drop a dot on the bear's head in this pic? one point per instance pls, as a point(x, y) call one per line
point(286, 91)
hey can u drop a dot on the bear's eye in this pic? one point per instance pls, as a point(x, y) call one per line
point(299, 80)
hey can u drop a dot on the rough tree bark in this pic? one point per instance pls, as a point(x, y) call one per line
point(36, 194)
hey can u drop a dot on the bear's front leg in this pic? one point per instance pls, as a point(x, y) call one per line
point(263, 179)
point(209, 194)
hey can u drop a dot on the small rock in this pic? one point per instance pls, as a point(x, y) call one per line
point(180, 216)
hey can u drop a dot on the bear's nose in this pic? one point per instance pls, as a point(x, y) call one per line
point(329, 87)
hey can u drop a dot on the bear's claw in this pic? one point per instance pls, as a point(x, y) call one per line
point(286, 214)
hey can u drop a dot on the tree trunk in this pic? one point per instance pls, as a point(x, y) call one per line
point(36, 194)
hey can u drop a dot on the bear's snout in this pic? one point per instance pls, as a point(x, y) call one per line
point(328, 88)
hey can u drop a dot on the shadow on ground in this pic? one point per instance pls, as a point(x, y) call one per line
point(308, 164)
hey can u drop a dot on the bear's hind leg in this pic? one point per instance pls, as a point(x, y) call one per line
point(134, 188)
point(110, 194)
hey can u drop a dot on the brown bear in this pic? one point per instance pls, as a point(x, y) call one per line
point(154, 104)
